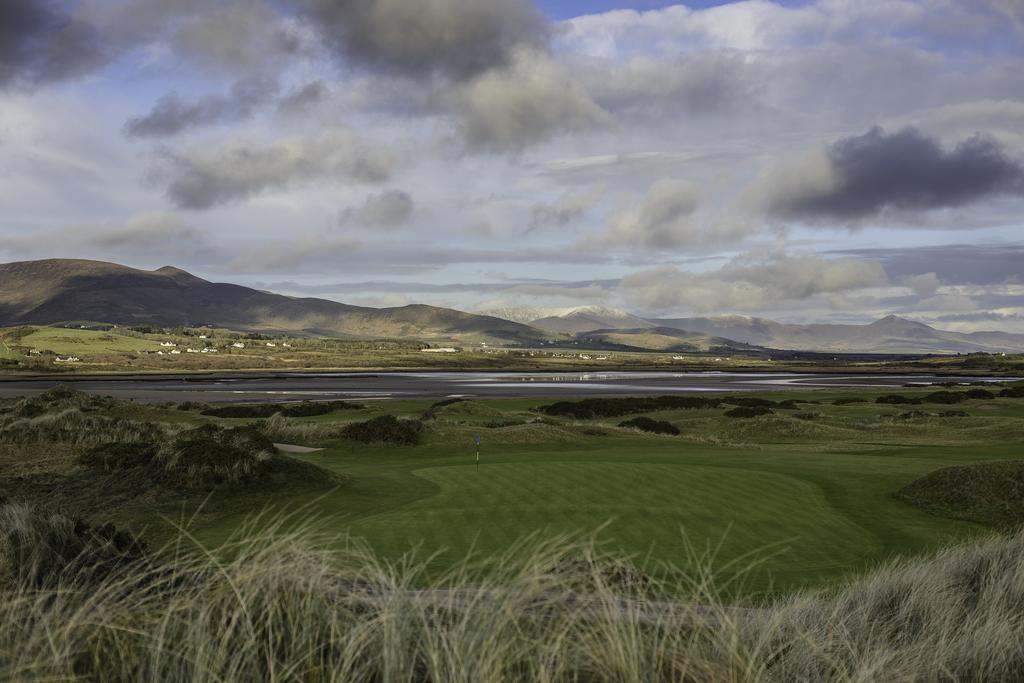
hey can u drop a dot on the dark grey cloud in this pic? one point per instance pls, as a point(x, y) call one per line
point(40, 41)
point(172, 115)
point(456, 38)
point(203, 178)
point(387, 209)
point(903, 171)
point(982, 264)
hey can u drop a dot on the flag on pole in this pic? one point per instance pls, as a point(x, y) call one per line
point(478, 451)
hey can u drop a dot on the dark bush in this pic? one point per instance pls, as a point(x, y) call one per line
point(981, 394)
point(646, 424)
point(749, 411)
point(788, 405)
point(749, 402)
point(592, 408)
point(897, 399)
point(946, 397)
point(848, 401)
point(119, 456)
point(954, 413)
point(1013, 392)
point(385, 429)
point(263, 410)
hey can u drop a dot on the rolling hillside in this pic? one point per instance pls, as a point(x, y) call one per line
point(59, 290)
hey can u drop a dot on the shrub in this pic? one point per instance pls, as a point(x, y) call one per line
point(750, 402)
point(1013, 392)
point(593, 408)
point(788, 405)
point(119, 456)
point(385, 429)
point(982, 394)
point(954, 413)
point(848, 401)
point(897, 399)
point(749, 411)
point(946, 397)
point(646, 424)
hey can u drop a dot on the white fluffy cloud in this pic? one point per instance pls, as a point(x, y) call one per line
point(749, 284)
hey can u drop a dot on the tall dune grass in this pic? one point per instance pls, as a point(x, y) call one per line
point(275, 606)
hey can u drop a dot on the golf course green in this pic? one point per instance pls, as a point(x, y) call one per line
point(790, 500)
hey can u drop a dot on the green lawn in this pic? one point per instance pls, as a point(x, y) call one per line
point(84, 342)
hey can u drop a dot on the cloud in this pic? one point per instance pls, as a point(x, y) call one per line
point(564, 210)
point(957, 264)
point(203, 178)
point(40, 41)
point(530, 101)
point(925, 284)
point(387, 209)
point(141, 234)
point(862, 177)
point(456, 38)
point(662, 219)
point(172, 115)
point(237, 36)
point(303, 97)
point(749, 283)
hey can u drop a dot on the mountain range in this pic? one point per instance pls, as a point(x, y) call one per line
point(61, 290)
point(890, 335)
point(57, 291)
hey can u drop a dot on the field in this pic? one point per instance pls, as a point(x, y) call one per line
point(808, 494)
point(33, 349)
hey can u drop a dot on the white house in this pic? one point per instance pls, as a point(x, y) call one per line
point(175, 352)
point(191, 350)
point(209, 349)
point(69, 359)
point(167, 343)
point(238, 345)
point(442, 349)
point(272, 345)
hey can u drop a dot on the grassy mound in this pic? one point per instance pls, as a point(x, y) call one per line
point(210, 456)
point(385, 429)
point(55, 400)
point(74, 427)
point(202, 458)
point(989, 492)
point(44, 549)
point(263, 410)
point(463, 411)
point(646, 424)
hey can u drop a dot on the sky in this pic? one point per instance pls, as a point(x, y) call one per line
point(812, 161)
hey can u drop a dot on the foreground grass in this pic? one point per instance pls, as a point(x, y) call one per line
point(278, 607)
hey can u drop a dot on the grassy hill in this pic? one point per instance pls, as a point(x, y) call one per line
point(665, 339)
point(59, 290)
